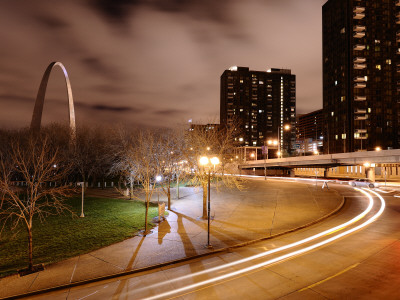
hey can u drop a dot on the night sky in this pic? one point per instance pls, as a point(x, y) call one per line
point(150, 63)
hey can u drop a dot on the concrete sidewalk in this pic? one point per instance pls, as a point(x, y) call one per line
point(265, 208)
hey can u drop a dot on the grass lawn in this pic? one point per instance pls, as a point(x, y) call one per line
point(106, 221)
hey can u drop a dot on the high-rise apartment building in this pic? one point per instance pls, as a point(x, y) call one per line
point(361, 68)
point(263, 104)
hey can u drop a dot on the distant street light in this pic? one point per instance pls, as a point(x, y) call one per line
point(206, 163)
point(280, 138)
point(378, 149)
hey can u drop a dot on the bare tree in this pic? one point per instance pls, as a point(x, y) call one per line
point(33, 160)
point(171, 159)
point(138, 159)
point(124, 164)
point(146, 156)
point(212, 140)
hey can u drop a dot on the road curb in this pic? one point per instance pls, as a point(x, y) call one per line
point(173, 262)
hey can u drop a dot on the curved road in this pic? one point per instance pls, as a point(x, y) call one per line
point(335, 259)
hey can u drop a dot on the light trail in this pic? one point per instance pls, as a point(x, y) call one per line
point(280, 258)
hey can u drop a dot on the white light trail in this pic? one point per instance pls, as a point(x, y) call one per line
point(282, 257)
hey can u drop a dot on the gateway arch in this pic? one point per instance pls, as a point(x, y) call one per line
point(38, 110)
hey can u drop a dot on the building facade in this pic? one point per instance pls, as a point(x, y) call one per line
point(361, 80)
point(261, 104)
point(309, 132)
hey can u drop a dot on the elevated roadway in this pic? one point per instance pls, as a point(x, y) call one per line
point(328, 160)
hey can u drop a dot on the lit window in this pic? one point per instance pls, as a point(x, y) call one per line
point(343, 136)
point(240, 139)
point(241, 80)
point(389, 61)
point(335, 82)
point(332, 113)
point(241, 109)
point(378, 67)
point(336, 137)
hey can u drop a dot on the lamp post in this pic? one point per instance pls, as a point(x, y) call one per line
point(158, 179)
point(265, 153)
point(280, 138)
point(82, 184)
point(206, 162)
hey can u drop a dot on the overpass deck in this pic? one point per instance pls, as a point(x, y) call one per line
point(328, 160)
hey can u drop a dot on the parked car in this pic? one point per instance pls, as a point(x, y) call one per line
point(364, 182)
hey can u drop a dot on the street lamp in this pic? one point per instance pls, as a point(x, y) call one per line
point(378, 149)
point(280, 138)
point(158, 179)
point(206, 162)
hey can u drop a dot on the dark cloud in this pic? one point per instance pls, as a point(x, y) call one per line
point(119, 10)
point(51, 22)
point(11, 97)
point(108, 89)
point(114, 108)
point(98, 67)
point(202, 9)
point(169, 112)
point(114, 10)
